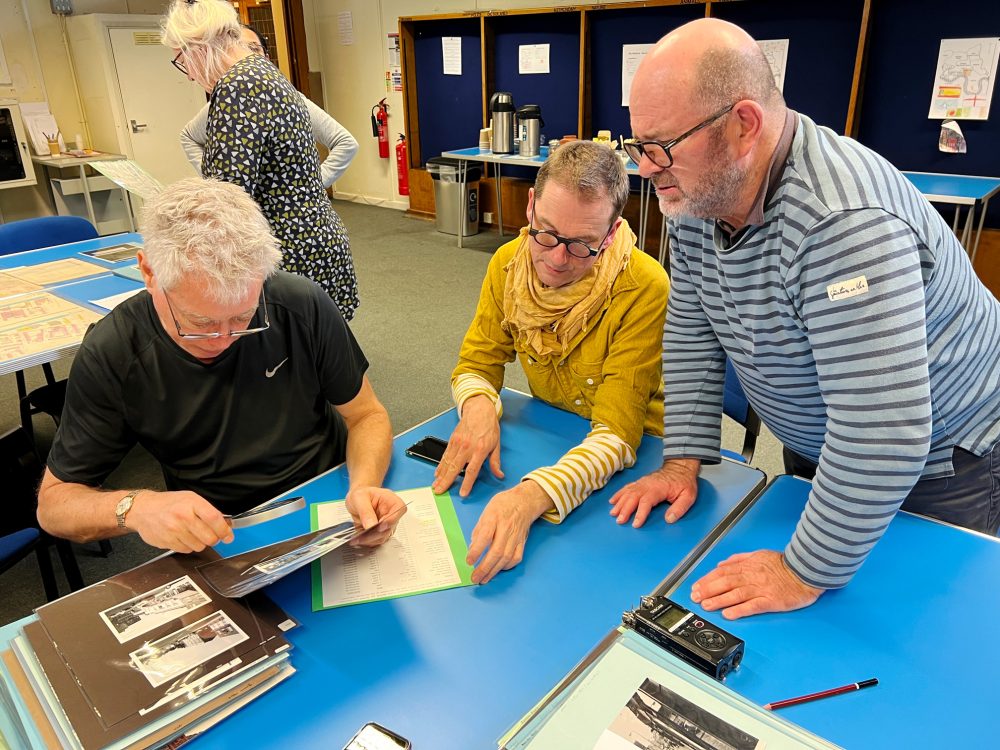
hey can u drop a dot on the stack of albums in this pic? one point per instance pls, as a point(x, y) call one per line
point(146, 659)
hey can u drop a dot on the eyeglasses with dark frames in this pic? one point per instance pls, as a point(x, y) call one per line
point(576, 248)
point(176, 62)
point(658, 152)
point(262, 306)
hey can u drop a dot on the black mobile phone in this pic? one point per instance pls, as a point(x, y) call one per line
point(429, 449)
point(374, 736)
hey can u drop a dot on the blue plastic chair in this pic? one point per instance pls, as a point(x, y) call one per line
point(32, 234)
point(20, 535)
point(736, 406)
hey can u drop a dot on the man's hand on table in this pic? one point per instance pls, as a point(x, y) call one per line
point(178, 521)
point(503, 529)
point(375, 508)
point(475, 439)
point(751, 583)
point(676, 482)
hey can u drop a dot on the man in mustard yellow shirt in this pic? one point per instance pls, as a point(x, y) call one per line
point(582, 309)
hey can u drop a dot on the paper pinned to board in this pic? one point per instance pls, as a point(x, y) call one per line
point(951, 140)
point(632, 55)
point(533, 59)
point(451, 52)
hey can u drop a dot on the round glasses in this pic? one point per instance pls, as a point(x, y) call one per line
point(658, 152)
point(576, 248)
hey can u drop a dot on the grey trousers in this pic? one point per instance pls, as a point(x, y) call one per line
point(970, 498)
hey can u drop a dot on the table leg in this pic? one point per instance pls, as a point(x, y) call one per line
point(462, 172)
point(86, 196)
point(664, 243)
point(643, 210)
point(499, 202)
point(967, 232)
point(979, 230)
point(954, 223)
point(127, 200)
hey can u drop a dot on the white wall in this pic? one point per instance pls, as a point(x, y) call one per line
point(33, 45)
point(354, 78)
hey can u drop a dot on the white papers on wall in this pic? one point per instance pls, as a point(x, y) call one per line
point(776, 52)
point(963, 82)
point(632, 55)
point(392, 47)
point(451, 51)
point(345, 28)
point(532, 59)
point(4, 70)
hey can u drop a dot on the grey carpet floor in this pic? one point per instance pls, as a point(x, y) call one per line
point(418, 294)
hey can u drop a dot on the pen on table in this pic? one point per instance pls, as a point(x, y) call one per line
point(822, 694)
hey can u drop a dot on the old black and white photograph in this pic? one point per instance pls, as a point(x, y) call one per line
point(149, 610)
point(656, 718)
point(116, 253)
point(184, 649)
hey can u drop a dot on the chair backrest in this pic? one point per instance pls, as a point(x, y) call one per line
point(20, 473)
point(31, 234)
point(734, 400)
point(736, 406)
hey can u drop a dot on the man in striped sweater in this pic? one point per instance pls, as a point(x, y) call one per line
point(582, 309)
point(851, 314)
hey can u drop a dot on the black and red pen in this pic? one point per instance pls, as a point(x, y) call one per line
point(822, 694)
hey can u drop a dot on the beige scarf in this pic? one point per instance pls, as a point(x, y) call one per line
point(547, 319)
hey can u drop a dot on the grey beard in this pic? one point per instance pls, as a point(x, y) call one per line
point(718, 193)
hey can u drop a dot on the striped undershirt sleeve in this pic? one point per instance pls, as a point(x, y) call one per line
point(467, 385)
point(582, 470)
point(858, 288)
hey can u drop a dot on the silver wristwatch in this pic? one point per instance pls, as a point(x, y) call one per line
point(124, 506)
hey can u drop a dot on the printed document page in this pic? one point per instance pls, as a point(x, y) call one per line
point(427, 553)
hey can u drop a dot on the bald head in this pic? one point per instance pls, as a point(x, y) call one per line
point(706, 65)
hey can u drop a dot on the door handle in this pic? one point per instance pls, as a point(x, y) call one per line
point(137, 126)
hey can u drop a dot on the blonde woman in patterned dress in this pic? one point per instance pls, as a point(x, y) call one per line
point(260, 138)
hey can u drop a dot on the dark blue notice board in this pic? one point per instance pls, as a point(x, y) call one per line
point(449, 107)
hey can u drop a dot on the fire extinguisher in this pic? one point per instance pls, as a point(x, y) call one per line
point(380, 128)
point(402, 166)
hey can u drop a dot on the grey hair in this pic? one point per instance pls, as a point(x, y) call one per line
point(212, 231)
point(205, 30)
point(591, 169)
point(724, 76)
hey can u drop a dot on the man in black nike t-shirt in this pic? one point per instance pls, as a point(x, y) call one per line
point(241, 380)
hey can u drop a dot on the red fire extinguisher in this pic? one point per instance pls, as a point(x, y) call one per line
point(380, 127)
point(402, 166)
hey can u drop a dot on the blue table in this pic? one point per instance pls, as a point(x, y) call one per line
point(920, 616)
point(81, 291)
point(959, 190)
point(465, 155)
point(454, 669)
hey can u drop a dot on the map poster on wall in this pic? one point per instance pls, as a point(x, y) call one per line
point(776, 52)
point(963, 82)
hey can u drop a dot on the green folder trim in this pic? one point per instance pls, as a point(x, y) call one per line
point(456, 543)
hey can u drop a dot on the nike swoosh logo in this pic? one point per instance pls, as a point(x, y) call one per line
point(270, 373)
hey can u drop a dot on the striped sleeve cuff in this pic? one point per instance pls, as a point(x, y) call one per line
point(467, 385)
point(584, 469)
